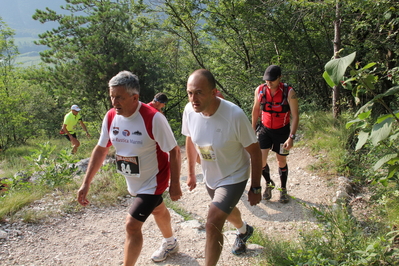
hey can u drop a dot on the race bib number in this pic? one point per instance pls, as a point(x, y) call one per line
point(283, 151)
point(128, 166)
point(207, 153)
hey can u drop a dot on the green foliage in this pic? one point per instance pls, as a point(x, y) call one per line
point(335, 69)
point(95, 40)
point(15, 200)
point(342, 241)
point(53, 171)
point(384, 130)
point(328, 139)
point(108, 187)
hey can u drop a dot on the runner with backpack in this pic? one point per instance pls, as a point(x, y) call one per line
point(147, 155)
point(276, 104)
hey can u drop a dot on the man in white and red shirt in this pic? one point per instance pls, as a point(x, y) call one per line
point(147, 155)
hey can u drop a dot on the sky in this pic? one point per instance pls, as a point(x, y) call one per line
point(18, 15)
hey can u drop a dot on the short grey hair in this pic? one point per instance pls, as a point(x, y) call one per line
point(126, 79)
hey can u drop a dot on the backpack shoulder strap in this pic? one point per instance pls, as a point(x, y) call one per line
point(285, 93)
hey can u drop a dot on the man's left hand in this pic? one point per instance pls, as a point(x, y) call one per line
point(253, 198)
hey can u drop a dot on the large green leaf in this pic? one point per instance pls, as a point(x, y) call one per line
point(381, 131)
point(365, 108)
point(352, 122)
point(362, 139)
point(383, 160)
point(369, 65)
point(336, 68)
point(392, 169)
point(328, 79)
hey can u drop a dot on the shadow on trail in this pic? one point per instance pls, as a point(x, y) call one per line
point(276, 211)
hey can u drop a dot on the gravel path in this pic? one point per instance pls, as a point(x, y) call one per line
point(95, 236)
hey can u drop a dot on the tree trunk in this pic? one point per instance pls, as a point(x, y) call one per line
point(337, 47)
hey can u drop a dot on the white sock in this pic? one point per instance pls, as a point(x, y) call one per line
point(170, 240)
point(243, 228)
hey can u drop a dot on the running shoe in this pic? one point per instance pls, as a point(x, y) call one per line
point(267, 195)
point(164, 250)
point(284, 198)
point(240, 246)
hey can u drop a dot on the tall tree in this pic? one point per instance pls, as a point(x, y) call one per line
point(95, 40)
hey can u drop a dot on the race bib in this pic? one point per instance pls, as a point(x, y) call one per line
point(128, 166)
point(207, 153)
point(283, 151)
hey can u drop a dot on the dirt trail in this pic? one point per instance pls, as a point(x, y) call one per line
point(96, 235)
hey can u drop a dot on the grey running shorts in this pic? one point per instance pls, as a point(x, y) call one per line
point(227, 197)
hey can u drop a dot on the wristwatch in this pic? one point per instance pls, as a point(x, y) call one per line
point(256, 190)
point(292, 136)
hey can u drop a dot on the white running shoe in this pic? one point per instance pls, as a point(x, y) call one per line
point(164, 250)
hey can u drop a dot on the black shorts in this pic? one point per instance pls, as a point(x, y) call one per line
point(73, 135)
point(227, 197)
point(143, 205)
point(272, 138)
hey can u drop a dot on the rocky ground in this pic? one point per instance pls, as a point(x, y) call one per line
point(95, 236)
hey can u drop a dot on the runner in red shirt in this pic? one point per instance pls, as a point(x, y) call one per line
point(277, 105)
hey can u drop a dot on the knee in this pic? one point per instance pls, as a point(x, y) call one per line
point(160, 210)
point(132, 226)
point(214, 227)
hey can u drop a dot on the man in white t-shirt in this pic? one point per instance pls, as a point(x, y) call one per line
point(222, 135)
point(147, 155)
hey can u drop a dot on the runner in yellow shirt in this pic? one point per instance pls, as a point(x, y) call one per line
point(71, 119)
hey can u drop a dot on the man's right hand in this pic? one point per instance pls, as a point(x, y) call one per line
point(191, 181)
point(82, 193)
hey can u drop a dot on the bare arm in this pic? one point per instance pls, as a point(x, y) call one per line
point(96, 160)
point(256, 171)
point(175, 167)
point(84, 128)
point(191, 160)
point(64, 128)
point(293, 102)
point(255, 110)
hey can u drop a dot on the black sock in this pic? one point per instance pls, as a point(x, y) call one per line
point(283, 176)
point(266, 174)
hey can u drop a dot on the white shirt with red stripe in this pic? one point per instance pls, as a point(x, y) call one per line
point(147, 135)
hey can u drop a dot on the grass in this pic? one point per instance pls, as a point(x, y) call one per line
point(327, 138)
point(22, 193)
point(176, 207)
point(107, 187)
point(16, 200)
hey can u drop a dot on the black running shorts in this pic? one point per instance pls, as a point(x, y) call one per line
point(143, 205)
point(272, 138)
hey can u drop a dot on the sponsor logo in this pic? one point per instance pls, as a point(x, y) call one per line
point(137, 133)
point(115, 130)
point(126, 133)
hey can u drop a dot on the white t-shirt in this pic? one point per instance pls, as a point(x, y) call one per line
point(142, 142)
point(220, 140)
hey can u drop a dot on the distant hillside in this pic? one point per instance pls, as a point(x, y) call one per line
point(18, 15)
